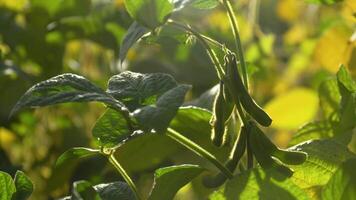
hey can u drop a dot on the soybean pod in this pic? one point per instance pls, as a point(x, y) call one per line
point(221, 113)
point(286, 156)
point(236, 154)
point(262, 154)
point(240, 94)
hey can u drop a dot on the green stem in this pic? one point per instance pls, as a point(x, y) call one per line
point(235, 31)
point(123, 173)
point(249, 154)
point(198, 150)
point(202, 39)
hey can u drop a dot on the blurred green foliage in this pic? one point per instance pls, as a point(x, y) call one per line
point(291, 47)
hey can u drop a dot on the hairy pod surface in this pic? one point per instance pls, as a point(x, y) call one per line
point(240, 94)
point(262, 154)
point(221, 113)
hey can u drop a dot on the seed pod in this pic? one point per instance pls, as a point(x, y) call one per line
point(262, 155)
point(286, 156)
point(237, 152)
point(222, 111)
point(240, 94)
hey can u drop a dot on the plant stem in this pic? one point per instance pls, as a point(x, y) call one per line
point(123, 173)
point(198, 150)
point(249, 154)
point(202, 39)
point(235, 31)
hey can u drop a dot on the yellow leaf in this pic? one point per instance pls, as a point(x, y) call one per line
point(6, 138)
point(292, 109)
point(289, 10)
point(332, 49)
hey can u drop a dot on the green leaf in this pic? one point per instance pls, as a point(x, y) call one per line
point(7, 186)
point(114, 190)
point(72, 155)
point(259, 184)
point(324, 158)
point(342, 184)
point(111, 129)
point(133, 34)
point(150, 13)
point(61, 89)
point(345, 79)
point(329, 97)
point(169, 180)
point(312, 130)
point(83, 190)
point(135, 89)
point(326, 2)
point(157, 117)
point(24, 186)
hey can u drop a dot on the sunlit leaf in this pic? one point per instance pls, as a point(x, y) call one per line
point(61, 89)
point(72, 155)
point(169, 180)
point(327, 2)
point(150, 13)
point(7, 186)
point(342, 184)
point(312, 130)
point(292, 109)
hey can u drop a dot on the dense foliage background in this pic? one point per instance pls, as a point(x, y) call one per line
point(291, 48)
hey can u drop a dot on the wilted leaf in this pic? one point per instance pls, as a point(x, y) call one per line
point(292, 109)
point(169, 180)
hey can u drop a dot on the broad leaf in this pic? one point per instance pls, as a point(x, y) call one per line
point(329, 97)
point(7, 186)
point(342, 184)
point(135, 89)
point(150, 13)
point(157, 117)
point(133, 34)
point(84, 190)
point(24, 186)
point(204, 4)
point(312, 131)
point(111, 129)
point(114, 190)
point(72, 155)
point(259, 184)
point(61, 89)
point(324, 158)
point(169, 180)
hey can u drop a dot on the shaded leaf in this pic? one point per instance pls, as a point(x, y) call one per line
point(169, 180)
point(342, 184)
point(135, 89)
point(7, 186)
point(83, 190)
point(204, 4)
point(312, 130)
point(158, 116)
point(24, 186)
point(61, 89)
point(72, 155)
point(114, 190)
point(111, 129)
point(150, 13)
point(133, 34)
